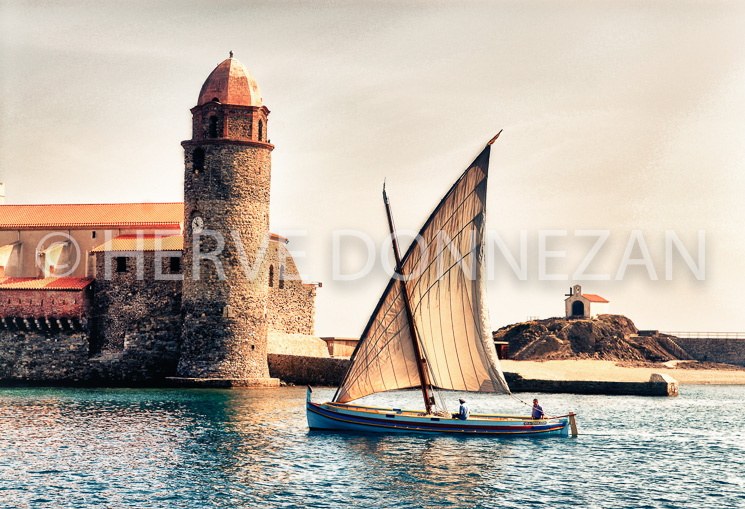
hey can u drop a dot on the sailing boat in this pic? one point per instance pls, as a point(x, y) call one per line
point(431, 330)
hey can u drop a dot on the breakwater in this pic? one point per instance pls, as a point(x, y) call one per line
point(658, 385)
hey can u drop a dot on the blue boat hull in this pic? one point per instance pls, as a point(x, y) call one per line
point(343, 417)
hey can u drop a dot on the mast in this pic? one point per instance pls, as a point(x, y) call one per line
point(407, 306)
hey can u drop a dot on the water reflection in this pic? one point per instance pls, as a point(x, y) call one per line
point(212, 448)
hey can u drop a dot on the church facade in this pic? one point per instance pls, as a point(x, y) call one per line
point(136, 293)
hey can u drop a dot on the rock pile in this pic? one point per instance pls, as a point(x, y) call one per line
point(609, 337)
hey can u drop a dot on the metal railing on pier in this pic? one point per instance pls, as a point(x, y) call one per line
point(707, 335)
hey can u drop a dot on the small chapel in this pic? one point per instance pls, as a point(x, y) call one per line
point(585, 305)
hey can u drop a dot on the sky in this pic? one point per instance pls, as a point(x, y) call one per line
point(623, 124)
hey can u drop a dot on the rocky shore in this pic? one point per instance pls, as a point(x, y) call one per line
point(609, 337)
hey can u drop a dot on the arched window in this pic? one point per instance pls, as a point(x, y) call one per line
point(198, 159)
point(261, 129)
point(271, 275)
point(213, 126)
point(282, 276)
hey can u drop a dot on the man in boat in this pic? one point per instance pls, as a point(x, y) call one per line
point(463, 411)
point(537, 410)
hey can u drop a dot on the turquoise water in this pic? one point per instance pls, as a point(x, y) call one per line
point(212, 448)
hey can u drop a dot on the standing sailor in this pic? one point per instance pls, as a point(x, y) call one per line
point(537, 410)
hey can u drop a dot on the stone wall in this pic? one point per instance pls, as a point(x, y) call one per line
point(727, 351)
point(307, 370)
point(62, 357)
point(291, 303)
point(134, 303)
point(239, 125)
point(36, 356)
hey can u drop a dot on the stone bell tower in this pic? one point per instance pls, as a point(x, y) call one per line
point(226, 221)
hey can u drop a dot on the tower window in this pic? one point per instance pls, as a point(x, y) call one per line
point(271, 275)
point(282, 276)
point(121, 264)
point(93, 235)
point(213, 126)
point(198, 159)
point(261, 130)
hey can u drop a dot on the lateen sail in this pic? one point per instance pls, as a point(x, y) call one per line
point(444, 271)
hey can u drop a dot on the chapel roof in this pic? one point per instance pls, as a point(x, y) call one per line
point(231, 83)
point(594, 298)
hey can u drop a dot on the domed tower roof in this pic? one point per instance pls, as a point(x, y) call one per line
point(231, 83)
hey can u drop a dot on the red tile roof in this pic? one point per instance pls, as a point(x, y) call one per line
point(142, 243)
point(129, 242)
point(594, 298)
point(102, 215)
point(47, 283)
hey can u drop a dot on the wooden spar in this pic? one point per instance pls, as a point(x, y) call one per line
point(407, 305)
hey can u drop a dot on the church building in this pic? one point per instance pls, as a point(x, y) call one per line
point(199, 290)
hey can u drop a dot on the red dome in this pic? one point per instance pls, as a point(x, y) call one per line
point(231, 83)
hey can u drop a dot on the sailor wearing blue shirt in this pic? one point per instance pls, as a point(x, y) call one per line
point(463, 411)
point(537, 410)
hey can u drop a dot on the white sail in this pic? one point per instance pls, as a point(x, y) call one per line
point(444, 273)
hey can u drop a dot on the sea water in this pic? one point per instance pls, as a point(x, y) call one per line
point(251, 448)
